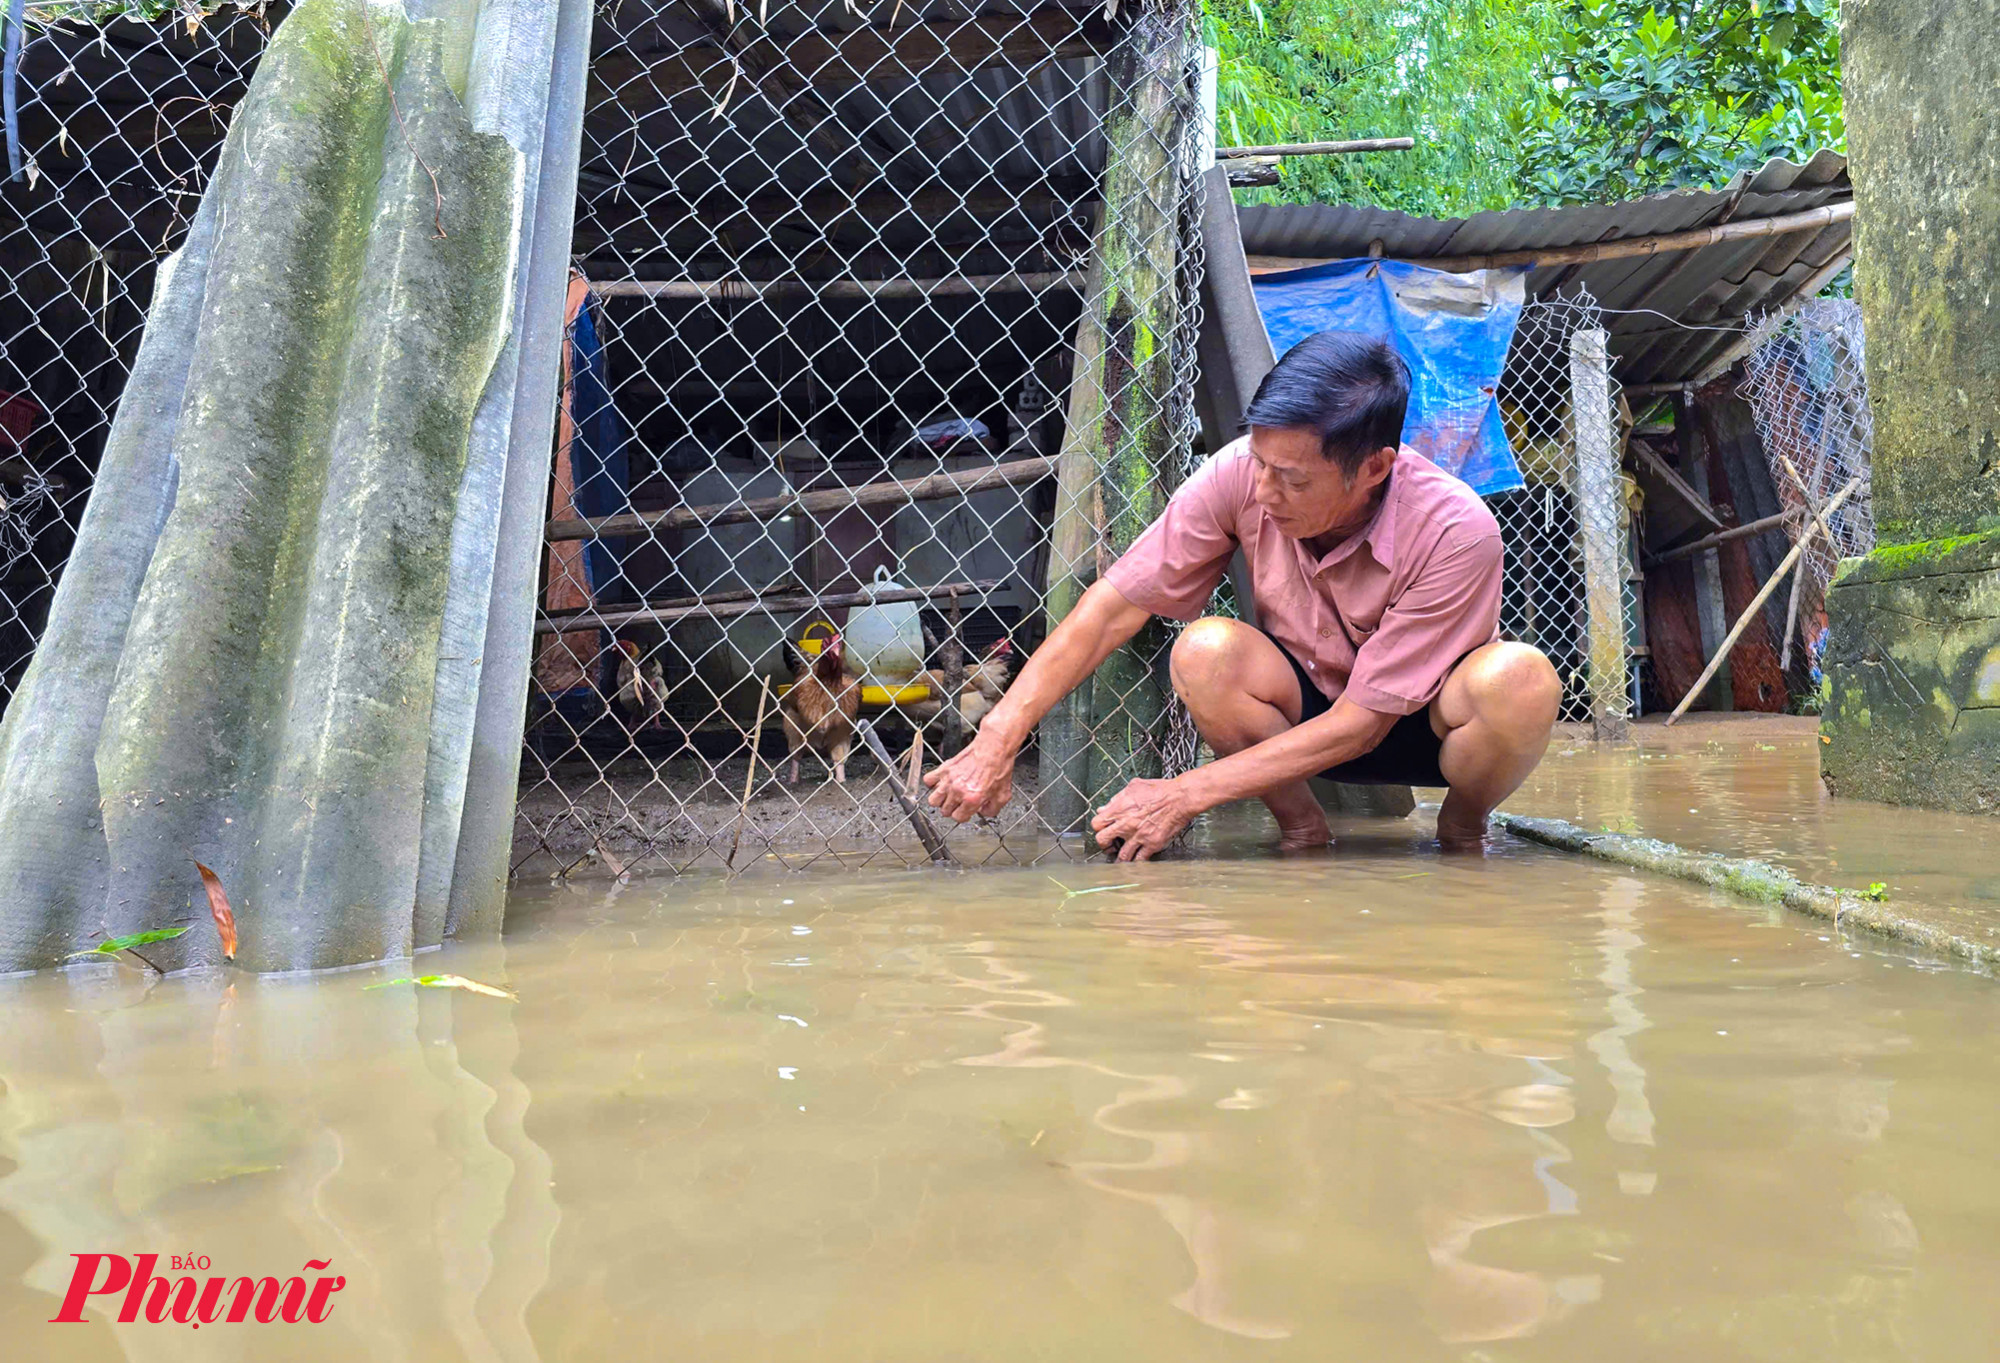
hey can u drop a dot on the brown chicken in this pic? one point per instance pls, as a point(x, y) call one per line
point(985, 682)
point(819, 709)
point(642, 688)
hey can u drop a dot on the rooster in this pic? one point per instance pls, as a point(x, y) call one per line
point(642, 688)
point(985, 682)
point(819, 709)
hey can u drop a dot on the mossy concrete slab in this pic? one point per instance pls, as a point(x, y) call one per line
point(1919, 77)
point(1913, 667)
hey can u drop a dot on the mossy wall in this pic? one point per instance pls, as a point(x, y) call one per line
point(1913, 660)
point(1919, 78)
point(1913, 667)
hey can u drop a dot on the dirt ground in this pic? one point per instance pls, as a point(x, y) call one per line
point(682, 813)
point(687, 813)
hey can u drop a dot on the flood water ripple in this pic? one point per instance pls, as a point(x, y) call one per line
point(1382, 1105)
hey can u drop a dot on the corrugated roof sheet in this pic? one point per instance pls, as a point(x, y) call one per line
point(1665, 300)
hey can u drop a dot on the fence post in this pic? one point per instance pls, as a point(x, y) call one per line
point(1113, 477)
point(1600, 513)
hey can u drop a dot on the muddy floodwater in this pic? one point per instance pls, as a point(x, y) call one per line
point(1382, 1106)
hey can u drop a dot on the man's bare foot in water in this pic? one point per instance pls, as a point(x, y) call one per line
point(1459, 832)
point(1304, 835)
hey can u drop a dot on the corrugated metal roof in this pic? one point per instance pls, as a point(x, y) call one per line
point(1661, 297)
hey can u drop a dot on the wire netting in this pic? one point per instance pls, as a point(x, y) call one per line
point(1569, 576)
point(119, 126)
point(1807, 385)
point(849, 289)
point(882, 326)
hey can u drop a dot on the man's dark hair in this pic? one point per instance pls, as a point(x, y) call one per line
point(1349, 388)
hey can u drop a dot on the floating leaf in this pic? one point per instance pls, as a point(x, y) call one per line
point(138, 939)
point(218, 905)
point(448, 982)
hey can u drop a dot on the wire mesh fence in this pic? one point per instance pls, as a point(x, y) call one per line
point(1806, 384)
point(1569, 586)
point(118, 126)
point(881, 339)
point(880, 348)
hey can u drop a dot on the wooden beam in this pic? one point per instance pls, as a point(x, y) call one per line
point(1666, 473)
point(1721, 537)
point(1827, 215)
point(641, 78)
point(931, 487)
point(666, 614)
point(959, 286)
point(1318, 148)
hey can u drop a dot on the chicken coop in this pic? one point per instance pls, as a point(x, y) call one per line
point(880, 330)
point(884, 334)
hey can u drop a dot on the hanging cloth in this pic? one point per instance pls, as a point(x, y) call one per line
point(566, 662)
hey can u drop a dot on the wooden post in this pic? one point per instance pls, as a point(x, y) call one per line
point(1115, 469)
point(1600, 512)
point(954, 682)
point(1708, 608)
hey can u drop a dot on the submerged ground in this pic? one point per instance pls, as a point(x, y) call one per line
point(1377, 1106)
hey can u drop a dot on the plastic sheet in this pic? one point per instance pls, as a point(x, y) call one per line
point(1453, 331)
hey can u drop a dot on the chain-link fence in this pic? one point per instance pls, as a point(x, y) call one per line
point(1569, 584)
point(881, 344)
point(881, 331)
point(1806, 384)
point(117, 128)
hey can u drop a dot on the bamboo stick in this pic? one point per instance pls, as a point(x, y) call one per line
point(930, 487)
point(952, 286)
point(1792, 470)
point(1757, 602)
point(1318, 148)
point(918, 819)
point(803, 601)
point(916, 760)
point(1799, 578)
point(1792, 621)
point(1721, 537)
point(750, 776)
point(954, 682)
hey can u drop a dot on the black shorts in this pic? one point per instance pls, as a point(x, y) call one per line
point(1406, 756)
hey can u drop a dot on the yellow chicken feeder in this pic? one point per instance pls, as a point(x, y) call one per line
point(811, 641)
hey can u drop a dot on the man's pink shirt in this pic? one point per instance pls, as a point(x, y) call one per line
point(1382, 619)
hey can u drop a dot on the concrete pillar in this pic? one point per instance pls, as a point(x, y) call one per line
point(1600, 515)
point(1913, 714)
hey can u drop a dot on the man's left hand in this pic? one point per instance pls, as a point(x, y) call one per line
point(1146, 816)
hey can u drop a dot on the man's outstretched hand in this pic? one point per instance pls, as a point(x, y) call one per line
point(980, 780)
point(1146, 816)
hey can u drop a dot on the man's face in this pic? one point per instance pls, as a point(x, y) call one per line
point(1306, 493)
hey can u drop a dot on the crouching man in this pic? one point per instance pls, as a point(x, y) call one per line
point(1377, 577)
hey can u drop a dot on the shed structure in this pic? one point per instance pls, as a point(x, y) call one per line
point(1687, 286)
point(882, 321)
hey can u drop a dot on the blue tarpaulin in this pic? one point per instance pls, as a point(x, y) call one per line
point(1451, 329)
point(597, 457)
